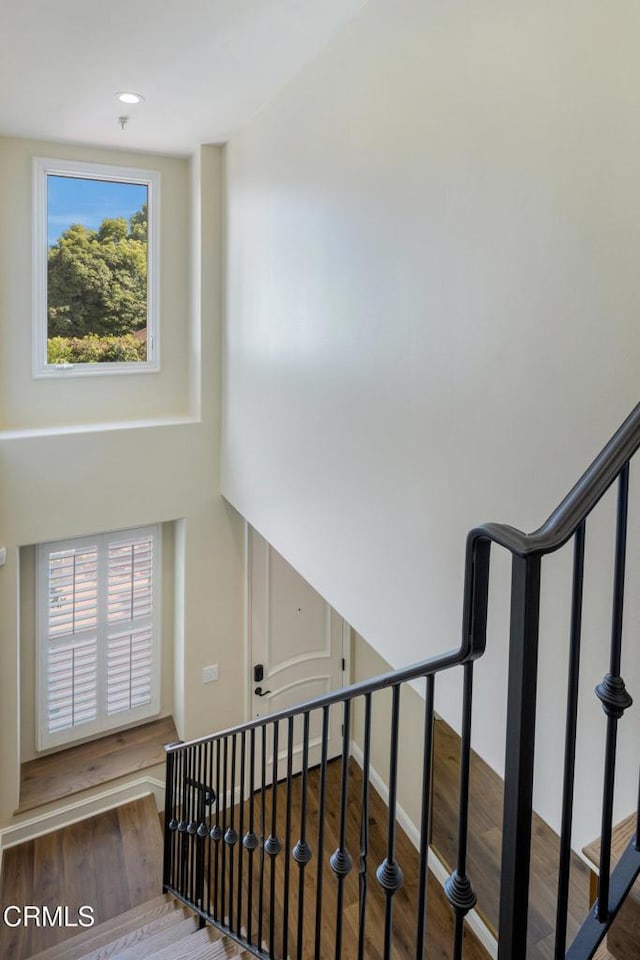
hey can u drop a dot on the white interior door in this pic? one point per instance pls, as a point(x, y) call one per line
point(297, 652)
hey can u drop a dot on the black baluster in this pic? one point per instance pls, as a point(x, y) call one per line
point(216, 836)
point(389, 874)
point(302, 851)
point(192, 826)
point(425, 819)
point(571, 726)
point(321, 813)
point(340, 860)
point(212, 802)
point(250, 840)
point(272, 845)
point(263, 772)
point(185, 826)
point(287, 841)
point(202, 830)
point(243, 763)
point(172, 821)
point(187, 820)
point(613, 695)
point(231, 837)
point(175, 819)
point(182, 823)
point(188, 758)
point(458, 888)
point(364, 829)
point(223, 827)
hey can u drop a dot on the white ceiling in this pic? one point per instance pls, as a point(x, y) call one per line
point(204, 66)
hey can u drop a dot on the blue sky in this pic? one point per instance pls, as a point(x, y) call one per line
point(75, 200)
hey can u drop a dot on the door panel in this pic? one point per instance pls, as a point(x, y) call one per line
point(298, 639)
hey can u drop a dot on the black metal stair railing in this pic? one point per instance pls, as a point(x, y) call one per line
point(233, 853)
point(250, 881)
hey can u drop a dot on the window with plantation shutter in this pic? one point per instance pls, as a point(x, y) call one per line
point(98, 633)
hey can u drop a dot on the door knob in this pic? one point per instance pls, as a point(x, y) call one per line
point(259, 692)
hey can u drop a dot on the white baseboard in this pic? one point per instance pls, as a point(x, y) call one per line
point(436, 866)
point(64, 816)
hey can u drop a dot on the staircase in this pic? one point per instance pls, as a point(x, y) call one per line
point(161, 929)
point(233, 853)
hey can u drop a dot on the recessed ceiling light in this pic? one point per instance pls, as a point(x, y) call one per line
point(126, 97)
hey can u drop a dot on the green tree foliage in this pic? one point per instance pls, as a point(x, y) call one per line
point(93, 349)
point(97, 279)
point(139, 224)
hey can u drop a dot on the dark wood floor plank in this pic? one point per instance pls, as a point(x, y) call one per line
point(16, 888)
point(439, 938)
point(485, 846)
point(81, 866)
point(49, 878)
point(78, 768)
point(109, 844)
point(142, 848)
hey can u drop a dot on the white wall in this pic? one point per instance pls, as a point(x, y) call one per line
point(66, 475)
point(433, 301)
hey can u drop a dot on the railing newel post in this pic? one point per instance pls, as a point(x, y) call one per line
point(519, 757)
point(168, 817)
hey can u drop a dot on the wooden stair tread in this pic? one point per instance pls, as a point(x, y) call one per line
point(197, 946)
point(148, 942)
point(602, 953)
point(227, 950)
point(161, 929)
point(621, 835)
point(130, 920)
point(98, 941)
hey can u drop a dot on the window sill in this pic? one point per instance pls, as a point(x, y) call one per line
point(69, 772)
point(70, 371)
point(31, 432)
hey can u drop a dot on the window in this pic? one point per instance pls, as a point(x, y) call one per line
point(96, 257)
point(98, 626)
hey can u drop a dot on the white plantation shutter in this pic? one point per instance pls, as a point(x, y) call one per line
point(130, 579)
point(71, 640)
point(73, 591)
point(72, 685)
point(98, 633)
point(129, 671)
point(130, 585)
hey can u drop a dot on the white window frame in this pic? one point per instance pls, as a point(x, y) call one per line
point(42, 168)
point(103, 722)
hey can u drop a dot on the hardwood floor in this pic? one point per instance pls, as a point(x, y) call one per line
point(68, 772)
point(485, 832)
point(110, 862)
point(405, 909)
